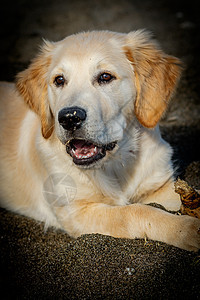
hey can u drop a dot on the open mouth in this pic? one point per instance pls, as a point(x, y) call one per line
point(85, 153)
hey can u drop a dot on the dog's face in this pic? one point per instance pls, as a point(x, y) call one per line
point(91, 86)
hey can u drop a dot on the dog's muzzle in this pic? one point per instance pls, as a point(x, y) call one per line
point(83, 152)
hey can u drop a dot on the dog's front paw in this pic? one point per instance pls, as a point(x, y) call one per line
point(188, 233)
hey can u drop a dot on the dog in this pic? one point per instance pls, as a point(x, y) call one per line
point(81, 148)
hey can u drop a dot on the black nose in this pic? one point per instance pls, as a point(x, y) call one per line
point(71, 118)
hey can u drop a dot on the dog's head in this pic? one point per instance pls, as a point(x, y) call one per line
point(90, 86)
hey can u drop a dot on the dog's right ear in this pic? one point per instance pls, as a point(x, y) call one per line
point(32, 85)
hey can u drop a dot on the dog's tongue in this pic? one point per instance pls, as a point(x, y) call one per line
point(84, 149)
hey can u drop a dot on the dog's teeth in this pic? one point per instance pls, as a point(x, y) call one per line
point(75, 153)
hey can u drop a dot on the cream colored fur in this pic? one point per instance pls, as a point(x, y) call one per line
point(108, 197)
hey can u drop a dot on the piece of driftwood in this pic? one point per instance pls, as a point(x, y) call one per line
point(190, 198)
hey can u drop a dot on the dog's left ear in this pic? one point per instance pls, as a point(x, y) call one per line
point(32, 85)
point(156, 75)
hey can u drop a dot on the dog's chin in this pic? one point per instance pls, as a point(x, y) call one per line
point(87, 154)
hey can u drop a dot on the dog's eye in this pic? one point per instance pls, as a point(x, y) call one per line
point(59, 80)
point(105, 77)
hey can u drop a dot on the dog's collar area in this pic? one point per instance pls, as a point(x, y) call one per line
point(85, 152)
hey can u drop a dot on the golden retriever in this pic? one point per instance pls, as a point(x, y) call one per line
point(80, 143)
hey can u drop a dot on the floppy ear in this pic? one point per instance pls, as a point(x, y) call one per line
point(156, 75)
point(32, 85)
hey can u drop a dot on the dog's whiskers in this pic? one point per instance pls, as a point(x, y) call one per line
point(67, 143)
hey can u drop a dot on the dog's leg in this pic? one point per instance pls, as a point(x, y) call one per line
point(132, 221)
point(165, 196)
